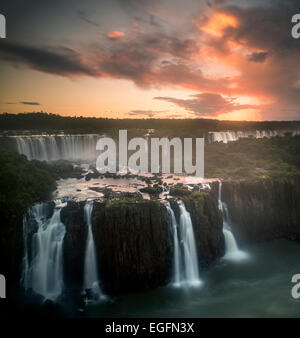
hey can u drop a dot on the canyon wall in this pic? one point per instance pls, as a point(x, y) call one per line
point(263, 210)
point(74, 244)
point(133, 238)
point(134, 245)
point(134, 241)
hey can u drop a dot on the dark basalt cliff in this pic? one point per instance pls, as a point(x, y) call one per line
point(74, 243)
point(134, 245)
point(208, 227)
point(11, 252)
point(134, 241)
point(263, 210)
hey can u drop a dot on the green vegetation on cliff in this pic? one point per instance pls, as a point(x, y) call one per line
point(179, 191)
point(22, 183)
point(254, 158)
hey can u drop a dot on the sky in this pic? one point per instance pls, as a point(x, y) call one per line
point(221, 59)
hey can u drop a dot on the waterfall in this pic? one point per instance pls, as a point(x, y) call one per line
point(43, 259)
point(230, 135)
point(59, 147)
point(186, 271)
point(232, 251)
point(178, 273)
point(91, 280)
point(189, 247)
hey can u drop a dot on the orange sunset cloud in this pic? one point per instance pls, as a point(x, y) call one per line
point(115, 34)
point(204, 66)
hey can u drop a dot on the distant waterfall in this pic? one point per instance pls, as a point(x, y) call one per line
point(91, 279)
point(43, 259)
point(53, 148)
point(186, 271)
point(232, 251)
point(231, 135)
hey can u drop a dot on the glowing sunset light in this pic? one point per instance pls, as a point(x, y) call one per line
point(115, 34)
point(121, 56)
point(217, 23)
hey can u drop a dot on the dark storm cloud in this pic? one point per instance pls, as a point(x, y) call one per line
point(149, 55)
point(28, 103)
point(267, 26)
point(137, 5)
point(140, 59)
point(206, 104)
point(60, 61)
point(157, 50)
point(211, 3)
point(265, 29)
point(83, 16)
point(258, 57)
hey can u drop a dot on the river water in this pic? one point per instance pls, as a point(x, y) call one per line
point(257, 287)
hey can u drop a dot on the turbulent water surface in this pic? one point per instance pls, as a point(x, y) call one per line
point(257, 287)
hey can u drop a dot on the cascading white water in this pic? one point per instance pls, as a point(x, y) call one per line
point(189, 247)
point(232, 251)
point(231, 135)
point(91, 279)
point(53, 148)
point(186, 271)
point(43, 260)
point(178, 273)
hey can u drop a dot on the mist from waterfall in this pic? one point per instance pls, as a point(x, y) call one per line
point(43, 258)
point(232, 251)
point(186, 270)
point(91, 279)
point(58, 147)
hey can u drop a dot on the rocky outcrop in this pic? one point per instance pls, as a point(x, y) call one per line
point(263, 210)
point(207, 224)
point(74, 243)
point(134, 244)
point(63, 169)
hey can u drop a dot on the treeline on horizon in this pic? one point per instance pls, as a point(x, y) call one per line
point(48, 122)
